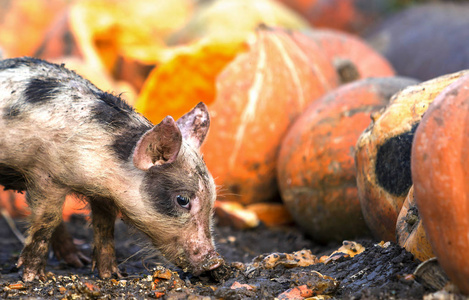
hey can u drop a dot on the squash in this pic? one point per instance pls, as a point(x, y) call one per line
point(316, 170)
point(220, 20)
point(352, 57)
point(258, 95)
point(24, 23)
point(440, 161)
point(15, 205)
point(382, 155)
point(197, 66)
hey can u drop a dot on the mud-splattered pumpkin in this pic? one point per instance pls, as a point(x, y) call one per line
point(440, 164)
point(316, 170)
point(383, 155)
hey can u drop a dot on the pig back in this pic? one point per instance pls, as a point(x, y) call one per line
point(56, 121)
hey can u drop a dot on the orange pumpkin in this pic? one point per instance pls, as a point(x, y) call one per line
point(197, 66)
point(23, 24)
point(440, 160)
point(271, 214)
point(107, 29)
point(345, 15)
point(410, 232)
point(258, 95)
point(234, 214)
point(351, 56)
point(58, 41)
point(316, 170)
point(15, 205)
point(220, 20)
point(383, 151)
point(122, 39)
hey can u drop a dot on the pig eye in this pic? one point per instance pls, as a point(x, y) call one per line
point(183, 201)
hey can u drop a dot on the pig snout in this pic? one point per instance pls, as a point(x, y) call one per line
point(207, 262)
point(199, 251)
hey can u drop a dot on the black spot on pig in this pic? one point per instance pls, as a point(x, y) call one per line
point(115, 102)
point(112, 111)
point(164, 183)
point(41, 89)
point(393, 163)
point(125, 141)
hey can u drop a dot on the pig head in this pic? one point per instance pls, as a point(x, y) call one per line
point(178, 190)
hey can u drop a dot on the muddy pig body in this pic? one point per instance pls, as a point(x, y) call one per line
point(61, 135)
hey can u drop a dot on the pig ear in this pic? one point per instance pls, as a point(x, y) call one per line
point(159, 145)
point(194, 125)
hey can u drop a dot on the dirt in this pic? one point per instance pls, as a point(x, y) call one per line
point(380, 272)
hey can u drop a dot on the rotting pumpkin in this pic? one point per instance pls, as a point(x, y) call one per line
point(383, 152)
point(316, 170)
point(410, 232)
point(440, 160)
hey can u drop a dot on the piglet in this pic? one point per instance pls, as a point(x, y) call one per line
point(61, 135)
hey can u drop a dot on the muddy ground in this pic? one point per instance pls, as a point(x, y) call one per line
point(380, 272)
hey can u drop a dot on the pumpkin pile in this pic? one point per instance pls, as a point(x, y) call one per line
point(439, 171)
point(256, 76)
point(383, 155)
point(411, 173)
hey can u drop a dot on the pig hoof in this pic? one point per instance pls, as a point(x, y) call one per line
point(31, 271)
point(65, 249)
point(107, 271)
point(107, 274)
point(76, 259)
point(30, 275)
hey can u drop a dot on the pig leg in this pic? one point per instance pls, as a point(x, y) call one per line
point(45, 200)
point(64, 248)
point(104, 255)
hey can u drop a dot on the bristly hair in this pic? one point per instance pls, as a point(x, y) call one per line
point(115, 101)
point(146, 252)
point(112, 111)
point(20, 61)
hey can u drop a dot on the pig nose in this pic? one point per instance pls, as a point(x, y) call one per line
point(212, 261)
